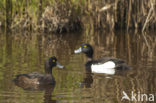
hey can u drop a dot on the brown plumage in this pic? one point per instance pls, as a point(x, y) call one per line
point(35, 79)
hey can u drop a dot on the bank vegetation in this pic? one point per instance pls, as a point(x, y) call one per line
point(61, 16)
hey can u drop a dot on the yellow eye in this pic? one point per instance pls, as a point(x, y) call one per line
point(85, 46)
point(54, 61)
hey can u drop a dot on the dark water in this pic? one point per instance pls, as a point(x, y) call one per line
point(24, 53)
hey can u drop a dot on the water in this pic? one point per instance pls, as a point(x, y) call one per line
point(24, 53)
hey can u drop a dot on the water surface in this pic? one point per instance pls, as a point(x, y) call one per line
point(24, 53)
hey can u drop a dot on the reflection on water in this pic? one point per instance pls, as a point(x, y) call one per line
point(24, 53)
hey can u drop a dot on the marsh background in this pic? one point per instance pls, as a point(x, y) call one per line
point(71, 15)
point(31, 31)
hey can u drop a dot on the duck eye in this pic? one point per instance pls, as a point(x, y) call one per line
point(85, 46)
point(54, 60)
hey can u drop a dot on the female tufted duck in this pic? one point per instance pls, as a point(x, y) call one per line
point(107, 65)
point(33, 79)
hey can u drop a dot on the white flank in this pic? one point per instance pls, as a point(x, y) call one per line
point(107, 68)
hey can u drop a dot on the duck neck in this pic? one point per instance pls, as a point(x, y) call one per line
point(90, 55)
point(48, 71)
point(89, 58)
point(48, 68)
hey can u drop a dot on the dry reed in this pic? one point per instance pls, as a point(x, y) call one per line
point(72, 15)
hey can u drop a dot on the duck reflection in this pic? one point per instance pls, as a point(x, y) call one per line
point(48, 90)
point(88, 77)
point(87, 81)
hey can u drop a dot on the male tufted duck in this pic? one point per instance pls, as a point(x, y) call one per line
point(107, 65)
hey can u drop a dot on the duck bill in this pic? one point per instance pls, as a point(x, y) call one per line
point(78, 50)
point(59, 65)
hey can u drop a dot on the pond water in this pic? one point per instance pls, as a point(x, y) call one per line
point(25, 53)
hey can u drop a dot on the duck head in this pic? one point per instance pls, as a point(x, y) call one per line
point(53, 62)
point(86, 49)
point(50, 63)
